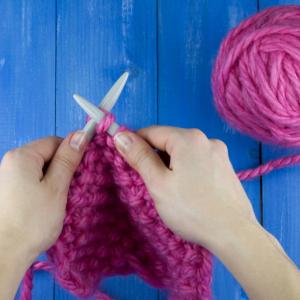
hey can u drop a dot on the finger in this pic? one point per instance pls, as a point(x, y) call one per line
point(167, 138)
point(161, 137)
point(31, 157)
point(45, 147)
point(139, 154)
point(65, 162)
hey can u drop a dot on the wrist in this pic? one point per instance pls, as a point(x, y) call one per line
point(14, 247)
point(252, 254)
point(15, 259)
point(237, 236)
point(227, 233)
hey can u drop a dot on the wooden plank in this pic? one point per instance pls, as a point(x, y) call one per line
point(281, 190)
point(27, 72)
point(96, 42)
point(189, 34)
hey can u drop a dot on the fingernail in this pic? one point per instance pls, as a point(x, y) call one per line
point(123, 141)
point(78, 140)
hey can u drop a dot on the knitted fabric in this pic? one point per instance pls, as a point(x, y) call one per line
point(112, 228)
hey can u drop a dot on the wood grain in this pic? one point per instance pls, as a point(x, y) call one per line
point(52, 49)
point(281, 189)
point(190, 33)
point(27, 86)
point(96, 42)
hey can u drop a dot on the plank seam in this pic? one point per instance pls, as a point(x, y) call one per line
point(157, 62)
point(55, 98)
point(158, 295)
point(261, 202)
point(55, 70)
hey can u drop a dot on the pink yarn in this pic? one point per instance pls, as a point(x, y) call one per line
point(112, 228)
point(111, 225)
point(256, 79)
point(269, 166)
point(27, 281)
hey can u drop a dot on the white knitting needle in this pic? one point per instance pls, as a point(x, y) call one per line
point(96, 115)
point(114, 93)
point(107, 104)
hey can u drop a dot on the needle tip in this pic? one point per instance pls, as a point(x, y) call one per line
point(76, 96)
point(126, 74)
point(80, 100)
point(89, 108)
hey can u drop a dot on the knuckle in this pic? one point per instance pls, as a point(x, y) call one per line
point(12, 156)
point(29, 153)
point(220, 146)
point(140, 157)
point(196, 134)
point(65, 162)
point(8, 157)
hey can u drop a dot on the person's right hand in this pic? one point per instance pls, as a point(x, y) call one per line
point(199, 196)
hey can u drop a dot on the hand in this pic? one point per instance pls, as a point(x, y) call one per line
point(199, 197)
point(33, 201)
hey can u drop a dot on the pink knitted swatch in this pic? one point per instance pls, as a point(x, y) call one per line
point(112, 228)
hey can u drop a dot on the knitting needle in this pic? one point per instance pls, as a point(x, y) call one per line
point(107, 104)
point(114, 93)
point(95, 113)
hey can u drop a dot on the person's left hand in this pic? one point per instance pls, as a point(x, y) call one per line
point(34, 184)
point(32, 201)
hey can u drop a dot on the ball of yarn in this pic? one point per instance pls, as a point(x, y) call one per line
point(256, 78)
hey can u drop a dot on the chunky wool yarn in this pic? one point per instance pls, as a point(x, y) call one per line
point(112, 228)
point(256, 79)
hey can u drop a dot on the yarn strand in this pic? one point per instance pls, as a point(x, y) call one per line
point(27, 284)
point(268, 167)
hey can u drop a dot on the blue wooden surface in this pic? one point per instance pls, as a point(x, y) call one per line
point(281, 191)
point(27, 83)
point(96, 42)
point(51, 49)
point(188, 42)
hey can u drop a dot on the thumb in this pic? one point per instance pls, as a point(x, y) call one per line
point(140, 156)
point(65, 161)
